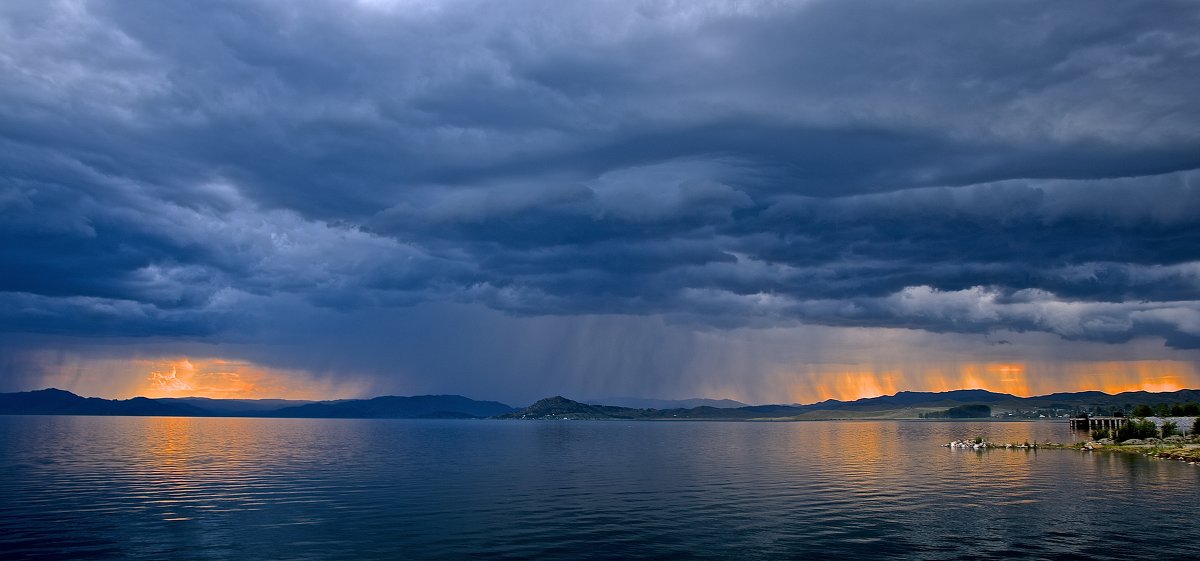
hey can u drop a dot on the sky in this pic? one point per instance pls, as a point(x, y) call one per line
point(773, 202)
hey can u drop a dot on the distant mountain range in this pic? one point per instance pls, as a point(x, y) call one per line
point(58, 402)
point(1007, 402)
point(393, 407)
point(901, 405)
point(559, 407)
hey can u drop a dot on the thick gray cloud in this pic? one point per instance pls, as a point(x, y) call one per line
point(202, 170)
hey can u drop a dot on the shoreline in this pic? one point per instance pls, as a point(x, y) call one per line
point(1188, 452)
point(1183, 452)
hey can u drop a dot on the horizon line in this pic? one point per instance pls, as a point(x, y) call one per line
point(585, 400)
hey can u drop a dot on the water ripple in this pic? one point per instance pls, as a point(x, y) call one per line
point(169, 488)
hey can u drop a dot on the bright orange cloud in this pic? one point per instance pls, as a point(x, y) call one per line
point(1148, 375)
point(848, 382)
point(218, 378)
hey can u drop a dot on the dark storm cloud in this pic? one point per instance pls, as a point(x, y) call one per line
point(174, 168)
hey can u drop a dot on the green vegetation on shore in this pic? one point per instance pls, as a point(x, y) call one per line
point(1135, 428)
point(1166, 410)
point(1143, 437)
point(1187, 452)
point(1174, 448)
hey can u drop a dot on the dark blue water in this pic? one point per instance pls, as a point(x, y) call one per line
point(175, 488)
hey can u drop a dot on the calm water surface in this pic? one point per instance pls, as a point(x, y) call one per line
point(178, 488)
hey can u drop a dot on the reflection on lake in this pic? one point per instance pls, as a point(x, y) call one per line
point(190, 488)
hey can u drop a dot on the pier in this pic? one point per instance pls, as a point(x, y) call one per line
point(1087, 422)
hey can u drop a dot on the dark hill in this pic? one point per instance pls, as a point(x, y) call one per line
point(559, 407)
point(58, 402)
point(227, 407)
point(394, 407)
point(647, 403)
point(924, 399)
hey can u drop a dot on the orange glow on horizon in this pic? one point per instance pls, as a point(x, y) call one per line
point(850, 382)
point(217, 378)
point(192, 376)
point(1151, 376)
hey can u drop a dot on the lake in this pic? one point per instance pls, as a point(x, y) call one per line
point(195, 488)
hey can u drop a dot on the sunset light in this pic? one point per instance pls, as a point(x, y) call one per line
point(748, 280)
point(218, 378)
point(1020, 379)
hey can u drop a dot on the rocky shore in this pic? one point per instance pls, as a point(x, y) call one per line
point(1181, 448)
point(980, 444)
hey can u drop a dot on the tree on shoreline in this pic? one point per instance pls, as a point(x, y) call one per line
point(1136, 429)
point(1185, 410)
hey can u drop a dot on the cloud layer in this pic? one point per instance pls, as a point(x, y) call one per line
point(174, 169)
